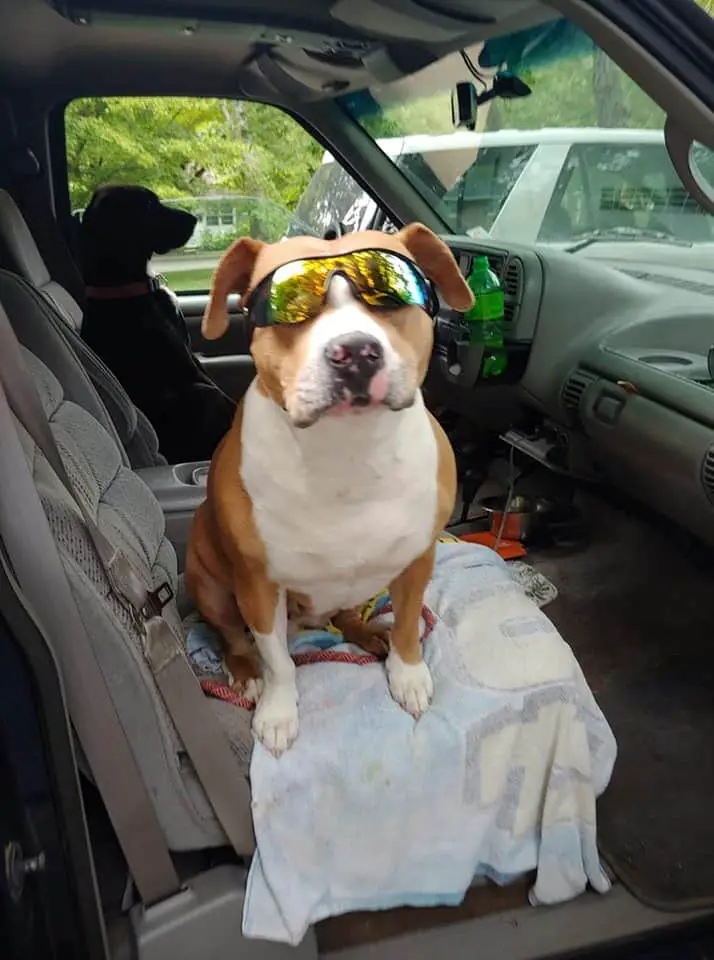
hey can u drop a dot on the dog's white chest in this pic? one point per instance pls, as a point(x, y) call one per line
point(343, 506)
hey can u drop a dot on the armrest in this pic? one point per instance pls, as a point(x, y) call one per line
point(180, 489)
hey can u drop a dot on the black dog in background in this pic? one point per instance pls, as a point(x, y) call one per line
point(136, 326)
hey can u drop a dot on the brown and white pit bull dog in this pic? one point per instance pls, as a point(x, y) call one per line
point(334, 481)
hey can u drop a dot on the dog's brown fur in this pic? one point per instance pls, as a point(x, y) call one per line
point(227, 563)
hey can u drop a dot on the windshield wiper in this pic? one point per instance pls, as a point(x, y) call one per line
point(626, 234)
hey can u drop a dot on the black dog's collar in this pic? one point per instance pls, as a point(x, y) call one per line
point(124, 291)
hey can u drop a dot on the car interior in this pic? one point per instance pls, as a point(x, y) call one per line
point(604, 412)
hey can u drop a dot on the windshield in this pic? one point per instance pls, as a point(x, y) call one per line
point(582, 156)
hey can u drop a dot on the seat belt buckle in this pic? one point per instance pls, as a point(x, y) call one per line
point(160, 642)
point(155, 602)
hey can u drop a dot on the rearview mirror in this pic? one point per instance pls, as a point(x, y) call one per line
point(464, 105)
point(507, 86)
point(465, 101)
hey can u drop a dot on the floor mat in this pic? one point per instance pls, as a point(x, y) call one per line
point(655, 823)
point(360, 929)
point(635, 606)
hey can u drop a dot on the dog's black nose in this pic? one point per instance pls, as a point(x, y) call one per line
point(353, 352)
point(355, 358)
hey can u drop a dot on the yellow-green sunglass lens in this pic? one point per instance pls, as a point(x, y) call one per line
point(382, 280)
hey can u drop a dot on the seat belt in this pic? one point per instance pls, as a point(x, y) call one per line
point(38, 568)
point(205, 742)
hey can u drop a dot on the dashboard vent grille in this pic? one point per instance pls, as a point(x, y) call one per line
point(708, 474)
point(574, 388)
point(512, 283)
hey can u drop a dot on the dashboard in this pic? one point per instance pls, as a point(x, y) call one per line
point(610, 371)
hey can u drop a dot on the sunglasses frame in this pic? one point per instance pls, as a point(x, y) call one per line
point(432, 306)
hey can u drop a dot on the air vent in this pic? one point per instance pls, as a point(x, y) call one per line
point(574, 388)
point(708, 474)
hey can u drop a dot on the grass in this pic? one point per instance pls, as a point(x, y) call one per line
point(188, 281)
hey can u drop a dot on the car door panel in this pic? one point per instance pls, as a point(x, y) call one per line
point(227, 360)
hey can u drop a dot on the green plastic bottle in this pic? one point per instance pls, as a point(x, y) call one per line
point(485, 318)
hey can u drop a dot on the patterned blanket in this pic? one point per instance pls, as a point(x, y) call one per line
point(370, 809)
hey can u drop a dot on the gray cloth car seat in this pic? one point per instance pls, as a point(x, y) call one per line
point(20, 254)
point(128, 515)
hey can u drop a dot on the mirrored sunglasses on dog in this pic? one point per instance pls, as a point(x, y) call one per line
point(381, 279)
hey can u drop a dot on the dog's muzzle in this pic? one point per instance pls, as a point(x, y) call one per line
point(355, 361)
point(351, 365)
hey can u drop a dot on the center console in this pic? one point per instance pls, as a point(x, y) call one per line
point(180, 489)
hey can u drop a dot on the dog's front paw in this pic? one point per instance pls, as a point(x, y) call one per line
point(275, 722)
point(410, 684)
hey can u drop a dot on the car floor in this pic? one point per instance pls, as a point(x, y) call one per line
point(636, 609)
point(639, 591)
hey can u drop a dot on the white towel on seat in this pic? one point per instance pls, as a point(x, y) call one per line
point(370, 809)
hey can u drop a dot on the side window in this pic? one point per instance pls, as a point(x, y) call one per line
point(479, 193)
point(241, 168)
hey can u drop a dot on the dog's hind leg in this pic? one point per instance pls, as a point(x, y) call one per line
point(217, 606)
point(372, 637)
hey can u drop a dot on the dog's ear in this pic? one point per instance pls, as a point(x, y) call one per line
point(438, 263)
point(232, 276)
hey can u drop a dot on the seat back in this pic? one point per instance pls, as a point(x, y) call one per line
point(130, 517)
point(19, 253)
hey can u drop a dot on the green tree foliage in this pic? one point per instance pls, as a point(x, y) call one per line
point(585, 91)
point(427, 115)
point(183, 147)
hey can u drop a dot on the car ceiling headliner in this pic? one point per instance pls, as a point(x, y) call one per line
point(41, 49)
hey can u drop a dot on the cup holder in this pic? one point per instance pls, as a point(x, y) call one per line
point(192, 474)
